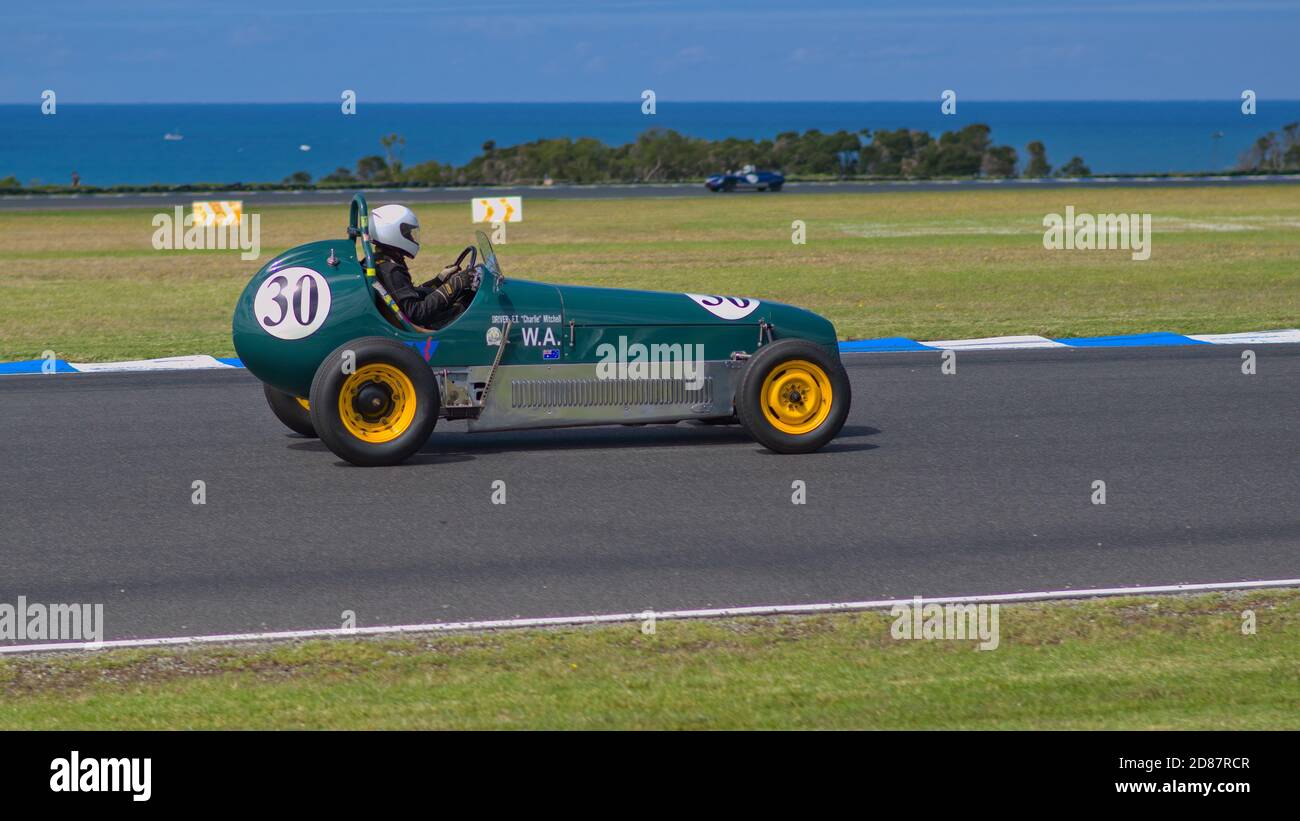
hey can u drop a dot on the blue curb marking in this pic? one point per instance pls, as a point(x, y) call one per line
point(1130, 340)
point(893, 343)
point(232, 361)
point(34, 366)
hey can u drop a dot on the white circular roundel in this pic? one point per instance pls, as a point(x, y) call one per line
point(726, 307)
point(292, 303)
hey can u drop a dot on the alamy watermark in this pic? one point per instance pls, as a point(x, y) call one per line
point(1098, 232)
point(637, 360)
point(127, 775)
point(181, 231)
point(954, 621)
point(28, 621)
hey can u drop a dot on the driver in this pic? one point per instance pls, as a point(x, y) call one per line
point(395, 231)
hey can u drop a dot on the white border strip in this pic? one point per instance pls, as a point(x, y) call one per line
point(990, 343)
point(1250, 337)
point(196, 362)
point(609, 618)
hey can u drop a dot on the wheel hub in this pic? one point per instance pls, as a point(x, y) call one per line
point(796, 397)
point(373, 401)
point(377, 403)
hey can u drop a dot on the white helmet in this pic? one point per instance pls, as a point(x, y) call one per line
point(396, 226)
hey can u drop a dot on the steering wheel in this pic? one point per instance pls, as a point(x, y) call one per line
point(470, 251)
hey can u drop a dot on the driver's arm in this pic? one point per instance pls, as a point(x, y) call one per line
point(424, 307)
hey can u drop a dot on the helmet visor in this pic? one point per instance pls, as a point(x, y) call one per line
point(411, 232)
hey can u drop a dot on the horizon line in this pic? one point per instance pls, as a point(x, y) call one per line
point(637, 101)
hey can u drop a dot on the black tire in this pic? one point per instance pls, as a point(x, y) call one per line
point(729, 185)
point(776, 186)
point(382, 359)
point(288, 410)
point(750, 402)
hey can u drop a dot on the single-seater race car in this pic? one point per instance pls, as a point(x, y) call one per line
point(747, 177)
point(340, 360)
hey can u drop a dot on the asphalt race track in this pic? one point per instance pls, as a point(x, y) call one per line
point(973, 483)
point(259, 199)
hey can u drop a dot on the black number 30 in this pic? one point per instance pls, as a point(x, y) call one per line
point(306, 300)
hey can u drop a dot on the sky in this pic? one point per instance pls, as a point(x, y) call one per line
point(132, 51)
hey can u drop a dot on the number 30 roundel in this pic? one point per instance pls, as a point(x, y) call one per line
point(726, 307)
point(292, 303)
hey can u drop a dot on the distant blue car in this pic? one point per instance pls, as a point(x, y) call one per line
point(748, 177)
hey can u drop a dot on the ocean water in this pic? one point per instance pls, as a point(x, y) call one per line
point(117, 144)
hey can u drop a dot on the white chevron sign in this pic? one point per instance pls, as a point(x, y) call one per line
point(497, 209)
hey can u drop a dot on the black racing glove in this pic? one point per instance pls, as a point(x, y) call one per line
point(455, 285)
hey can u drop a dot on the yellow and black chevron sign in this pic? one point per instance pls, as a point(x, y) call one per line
point(218, 212)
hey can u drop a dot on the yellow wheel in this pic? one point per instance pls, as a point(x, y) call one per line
point(797, 396)
point(793, 396)
point(374, 401)
point(377, 403)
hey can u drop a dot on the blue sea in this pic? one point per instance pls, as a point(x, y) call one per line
point(123, 144)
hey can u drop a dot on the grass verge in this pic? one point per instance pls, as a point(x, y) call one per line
point(1173, 662)
point(927, 265)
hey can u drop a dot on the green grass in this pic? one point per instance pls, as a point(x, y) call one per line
point(928, 265)
point(1171, 662)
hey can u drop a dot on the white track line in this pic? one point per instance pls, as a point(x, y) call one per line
point(610, 618)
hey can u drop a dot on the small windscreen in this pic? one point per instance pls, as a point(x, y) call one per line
point(488, 254)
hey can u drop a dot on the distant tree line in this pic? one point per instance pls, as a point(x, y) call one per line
point(664, 155)
point(1274, 152)
point(660, 155)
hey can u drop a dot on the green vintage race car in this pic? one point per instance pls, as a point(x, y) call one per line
point(341, 361)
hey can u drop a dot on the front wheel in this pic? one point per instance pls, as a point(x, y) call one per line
point(289, 409)
point(374, 401)
point(793, 397)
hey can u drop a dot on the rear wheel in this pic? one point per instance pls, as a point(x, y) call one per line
point(381, 408)
point(793, 397)
point(292, 410)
